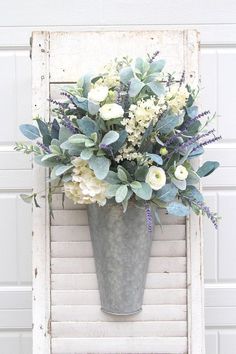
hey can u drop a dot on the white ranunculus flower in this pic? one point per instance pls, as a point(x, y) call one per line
point(181, 173)
point(98, 94)
point(156, 177)
point(111, 111)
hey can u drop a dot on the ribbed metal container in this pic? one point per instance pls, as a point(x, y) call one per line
point(121, 246)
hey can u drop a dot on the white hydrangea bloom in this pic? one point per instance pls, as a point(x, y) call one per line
point(85, 188)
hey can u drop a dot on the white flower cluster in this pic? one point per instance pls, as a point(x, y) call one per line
point(140, 116)
point(111, 77)
point(85, 188)
point(176, 98)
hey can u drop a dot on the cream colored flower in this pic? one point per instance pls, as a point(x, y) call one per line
point(177, 97)
point(98, 93)
point(156, 177)
point(181, 173)
point(111, 111)
point(85, 188)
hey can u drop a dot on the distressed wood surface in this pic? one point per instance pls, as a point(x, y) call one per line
point(160, 345)
point(41, 222)
point(171, 319)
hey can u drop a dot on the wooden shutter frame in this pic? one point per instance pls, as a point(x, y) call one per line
point(41, 219)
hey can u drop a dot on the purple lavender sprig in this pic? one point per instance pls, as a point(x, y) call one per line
point(182, 79)
point(149, 221)
point(67, 123)
point(107, 148)
point(185, 127)
point(206, 210)
point(207, 142)
point(44, 147)
point(63, 105)
point(195, 139)
point(70, 97)
point(154, 55)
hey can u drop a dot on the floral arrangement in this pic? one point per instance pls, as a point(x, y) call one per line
point(129, 133)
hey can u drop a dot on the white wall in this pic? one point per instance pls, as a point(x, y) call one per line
point(216, 21)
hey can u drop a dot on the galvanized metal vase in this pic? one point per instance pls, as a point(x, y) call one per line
point(121, 245)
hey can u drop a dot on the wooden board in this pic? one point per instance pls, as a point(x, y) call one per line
point(69, 304)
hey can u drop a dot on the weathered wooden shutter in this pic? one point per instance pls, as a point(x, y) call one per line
point(66, 313)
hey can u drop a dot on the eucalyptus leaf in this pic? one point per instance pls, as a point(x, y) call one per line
point(156, 158)
point(177, 209)
point(167, 193)
point(29, 131)
point(179, 184)
point(145, 192)
point(166, 124)
point(192, 192)
point(207, 168)
point(192, 178)
point(197, 152)
point(192, 111)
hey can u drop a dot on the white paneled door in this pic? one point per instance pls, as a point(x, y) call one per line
point(15, 215)
point(218, 68)
point(218, 76)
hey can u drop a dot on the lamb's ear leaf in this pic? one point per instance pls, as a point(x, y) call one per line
point(121, 193)
point(87, 126)
point(207, 168)
point(29, 131)
point(100, 165)
point(156, 88)
point(135, 87)
point(55, 129)
point(43, 127)
point(110, 137)
point(126, 74)
point(120, 141)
